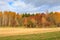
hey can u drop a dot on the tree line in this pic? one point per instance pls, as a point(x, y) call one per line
point(13, 19)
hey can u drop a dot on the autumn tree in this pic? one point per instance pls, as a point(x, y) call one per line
point(56, 17)
point(1, 18)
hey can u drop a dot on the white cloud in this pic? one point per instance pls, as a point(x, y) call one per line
point(17, 6)
point(55, 8)
point(4, 6)
point(21, 6)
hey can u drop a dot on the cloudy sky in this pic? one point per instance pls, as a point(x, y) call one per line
point(29, 5)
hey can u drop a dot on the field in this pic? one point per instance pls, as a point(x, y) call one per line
point(43, 36)
point(29, 33)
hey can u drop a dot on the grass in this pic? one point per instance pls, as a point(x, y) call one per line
point(43, 36)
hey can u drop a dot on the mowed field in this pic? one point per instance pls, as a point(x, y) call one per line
point(38, 36)
point(25, 31)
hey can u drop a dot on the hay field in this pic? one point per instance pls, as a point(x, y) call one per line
point(24, 31)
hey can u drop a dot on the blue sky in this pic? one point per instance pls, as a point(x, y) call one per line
point(21, 6)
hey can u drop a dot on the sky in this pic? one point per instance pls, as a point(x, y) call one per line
point(21, 6)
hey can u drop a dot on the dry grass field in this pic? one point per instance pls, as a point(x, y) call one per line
point(23, 31)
